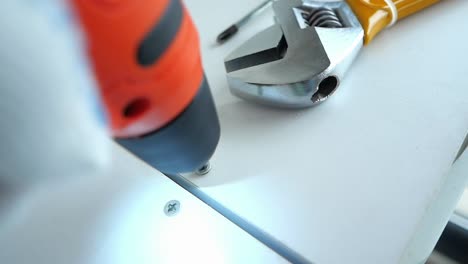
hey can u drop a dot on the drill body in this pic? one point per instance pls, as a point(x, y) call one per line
point(146, 58)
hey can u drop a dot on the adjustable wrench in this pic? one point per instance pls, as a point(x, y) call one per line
point(301, 59)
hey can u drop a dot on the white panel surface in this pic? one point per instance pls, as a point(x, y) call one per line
point(462, 208)
point(348, 181)
point(119, 219)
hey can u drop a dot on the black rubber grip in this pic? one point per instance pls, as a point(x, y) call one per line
point(227, 34)
point(453, 243)
point(161, 35)
point(185, 144)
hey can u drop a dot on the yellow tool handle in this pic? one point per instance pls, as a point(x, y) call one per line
point(375, 15)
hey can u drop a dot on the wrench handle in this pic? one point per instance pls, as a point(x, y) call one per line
point(376, 15)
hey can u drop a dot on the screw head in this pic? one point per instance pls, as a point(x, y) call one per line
point(172, 208)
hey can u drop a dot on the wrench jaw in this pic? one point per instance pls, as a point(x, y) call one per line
point(294, 64)
point(286, 96)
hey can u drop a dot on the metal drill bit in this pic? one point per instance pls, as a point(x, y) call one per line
point(234, 28)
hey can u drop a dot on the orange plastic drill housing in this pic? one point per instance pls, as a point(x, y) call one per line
point(139, 99)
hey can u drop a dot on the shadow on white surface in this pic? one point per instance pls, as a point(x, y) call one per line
point(243, 124)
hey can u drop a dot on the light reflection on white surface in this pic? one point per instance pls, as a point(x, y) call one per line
point(356, 174)
point(462, 208)
point(139, 231)
point(136, 229)
point(119, 219)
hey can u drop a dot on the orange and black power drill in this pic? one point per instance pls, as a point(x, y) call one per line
point(146, 58)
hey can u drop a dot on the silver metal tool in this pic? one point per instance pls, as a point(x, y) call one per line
point(301, 59)
point(234, 28)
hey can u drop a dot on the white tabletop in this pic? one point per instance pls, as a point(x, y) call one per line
point(353, 180)
point(119, 218)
